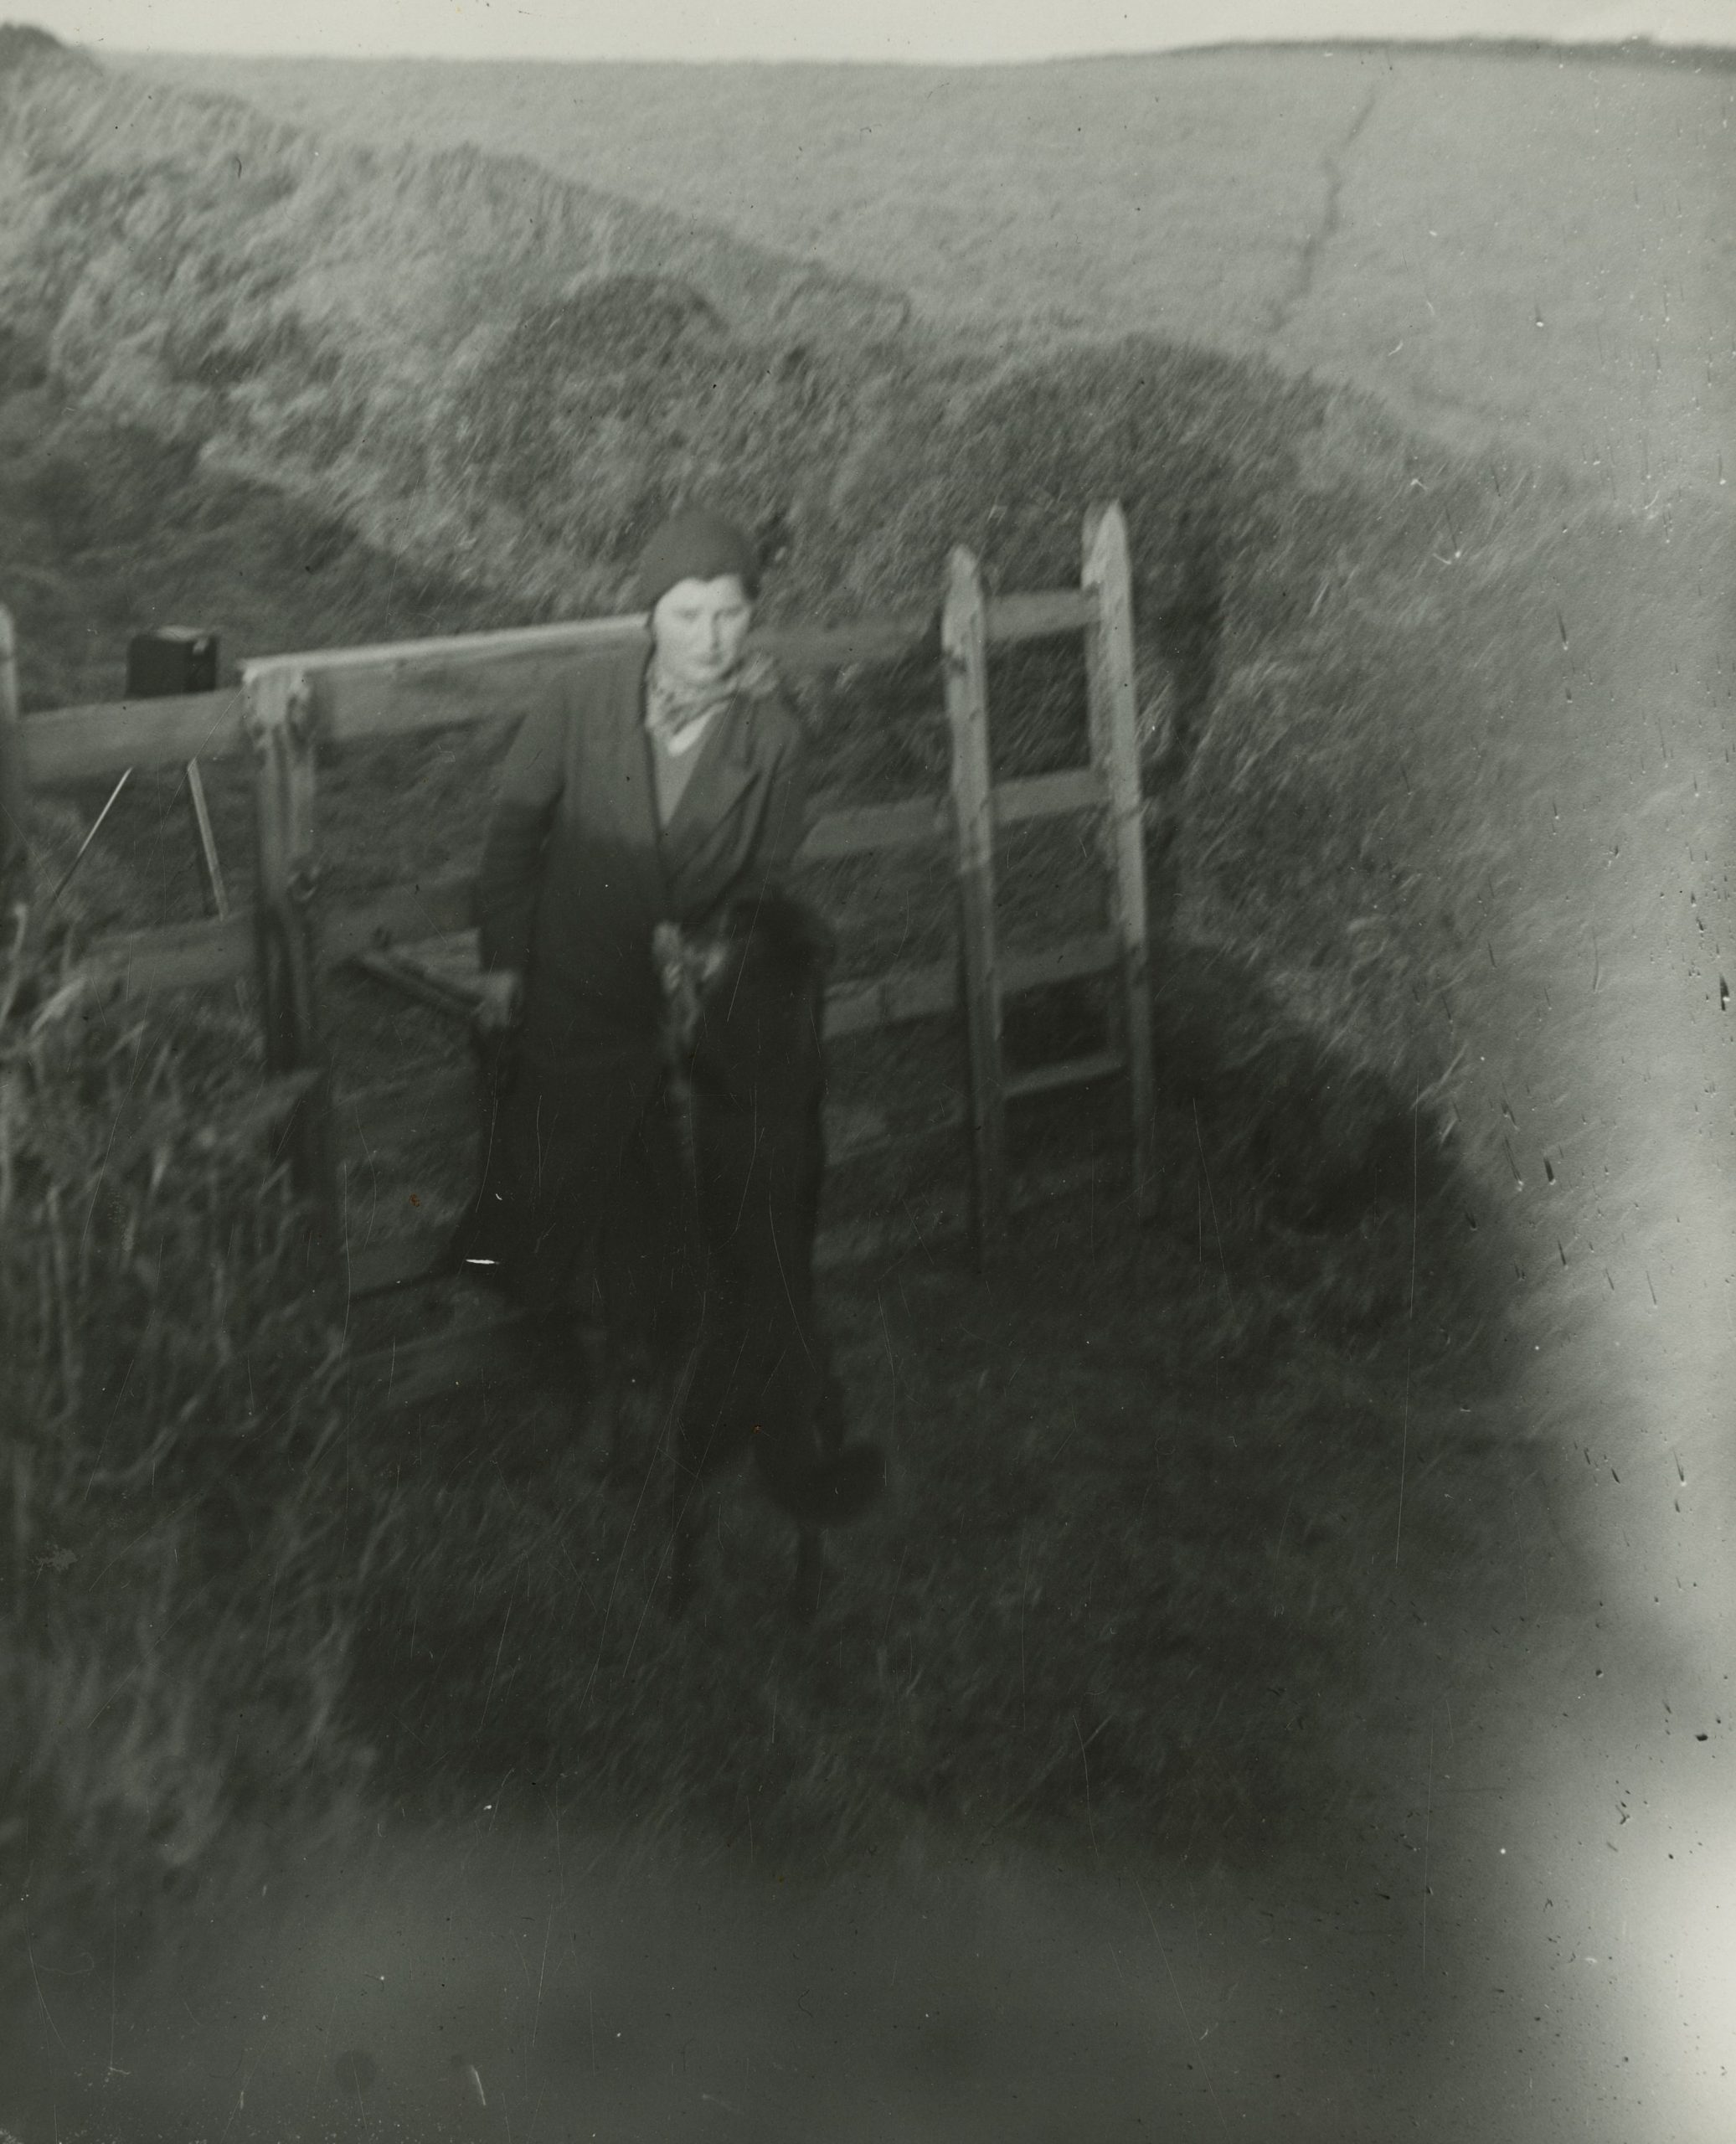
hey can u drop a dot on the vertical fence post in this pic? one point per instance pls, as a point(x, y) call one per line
point(280, 720)
point(1114, 747)
point(964, 646)
point(14, 799)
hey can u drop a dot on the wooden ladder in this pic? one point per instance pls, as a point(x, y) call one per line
point(1114, 756)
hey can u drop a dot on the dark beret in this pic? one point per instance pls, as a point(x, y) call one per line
point(696, 544)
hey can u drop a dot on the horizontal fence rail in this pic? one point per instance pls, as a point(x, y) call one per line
point(399, 689)
point(185, 955)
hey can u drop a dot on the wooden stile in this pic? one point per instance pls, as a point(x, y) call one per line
point(1114, 750)
point(964, 645)
point(290, 703)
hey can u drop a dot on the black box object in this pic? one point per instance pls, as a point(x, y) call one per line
point(170, 660)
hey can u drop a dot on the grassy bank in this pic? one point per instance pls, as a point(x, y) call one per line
point(184, 1565)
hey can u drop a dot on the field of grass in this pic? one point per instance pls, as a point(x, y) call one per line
point(1528, 250)
point(317, 442)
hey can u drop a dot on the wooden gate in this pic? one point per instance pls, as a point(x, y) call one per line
point(290, 707)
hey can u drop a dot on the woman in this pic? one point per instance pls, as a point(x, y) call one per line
point(658, 783)
point(663, 786)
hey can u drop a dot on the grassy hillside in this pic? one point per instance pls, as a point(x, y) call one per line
point(474, 368)
point(299, 306)
point(1532, 247)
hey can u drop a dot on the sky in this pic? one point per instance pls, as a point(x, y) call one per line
point(895, 30)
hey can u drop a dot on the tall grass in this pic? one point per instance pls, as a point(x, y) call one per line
point(183, 1561)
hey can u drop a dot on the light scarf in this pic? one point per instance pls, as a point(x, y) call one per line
point(678, 724)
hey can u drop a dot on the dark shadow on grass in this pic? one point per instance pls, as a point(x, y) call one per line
point(1136, 1583)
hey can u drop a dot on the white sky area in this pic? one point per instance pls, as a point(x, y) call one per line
point(947, 31)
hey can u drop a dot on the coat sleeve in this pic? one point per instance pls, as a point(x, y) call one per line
point(510, 879)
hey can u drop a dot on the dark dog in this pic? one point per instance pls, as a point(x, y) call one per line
point(705, 1255)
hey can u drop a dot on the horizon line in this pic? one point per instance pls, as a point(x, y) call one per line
point(1645, 46)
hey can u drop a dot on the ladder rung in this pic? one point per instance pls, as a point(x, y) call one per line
point(1071, 1072)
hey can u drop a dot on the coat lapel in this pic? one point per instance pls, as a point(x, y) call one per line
point(705, 822)
point(629, 782)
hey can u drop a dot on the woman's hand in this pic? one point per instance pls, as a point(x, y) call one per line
point(502, 998)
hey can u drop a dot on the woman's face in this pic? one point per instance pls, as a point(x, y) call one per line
point(698, 628)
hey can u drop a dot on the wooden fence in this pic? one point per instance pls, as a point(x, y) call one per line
point(290, 708)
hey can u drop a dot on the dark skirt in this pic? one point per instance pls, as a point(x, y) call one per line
point(711, 1239)
point(558, 1134)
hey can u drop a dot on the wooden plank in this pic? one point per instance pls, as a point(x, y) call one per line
point(71, 743)
point(280, 724)
point(1039, 614)
point(964, 639)
point(471, 678)
point(1114, 748)
point(398, 687)
point(1047, 795)
point(439, 654)
point(216, 891)
point(1069, 1072)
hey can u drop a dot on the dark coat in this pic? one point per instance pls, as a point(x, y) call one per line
point(576, 871)
point(576, 875)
